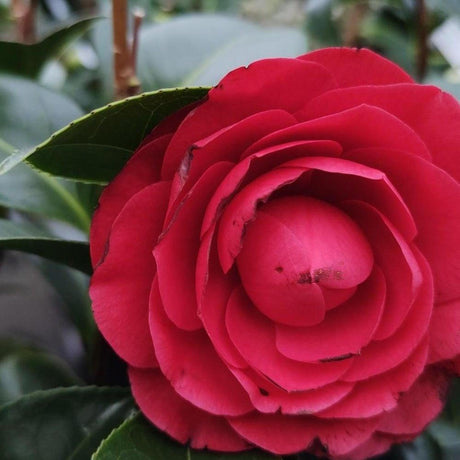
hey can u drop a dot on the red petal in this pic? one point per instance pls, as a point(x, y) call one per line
point(344, 331)
point(226, 144)
point(190, 363)
point(381, 393)
point(397, 261)
point(213, 291)
point(141, 170)
point(267, 84)
point(254, 337)
point(284, 434)
point(362, 126)
point(381, 356)
point(419, 406)
point(269, 398)
point(432, 114)
point(375, 445)
point(177, 251)
point(353, 66)
point(445, 332)
point(180, 419)
point(259, 163)
point(121, 284)
point(433, 197)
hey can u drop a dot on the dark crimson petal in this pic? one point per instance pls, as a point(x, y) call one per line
point(225, 145)
point(432, 114)
point(285, 434)
point(267, 84)
point(344, 331)
point(359, 127)
point(260, 162)
point(190, 363)
point(121, 284)
point(383, 355)
point(141, 170)
point(353, 66)
point(254, 337)
point(444, 332)
point(269, 398)
point(177, 250)
point(381, 393)
point(395, 257)
point(213, 290)
point(418, 406)
point(433, 197)
point(177, 417)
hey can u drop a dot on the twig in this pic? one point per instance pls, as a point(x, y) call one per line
point(422, 43)
point(24, 14)
point(124, 56)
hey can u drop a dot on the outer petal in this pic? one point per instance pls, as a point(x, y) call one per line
point(267, 84)
point(121, 284)
point(190, 363)
point(419, 406)
point(180, 419)
point(141, 170)
point(353, 67)
point(434, 115)
point(177, 250)
point(284, 434)
point(445, 332)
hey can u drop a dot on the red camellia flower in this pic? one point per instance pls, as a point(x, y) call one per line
point(279, 263)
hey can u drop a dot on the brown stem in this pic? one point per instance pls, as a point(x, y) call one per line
point(138, 17)
point(353, 18)
point(422, 41)
point(24, 14)
point(126, 82)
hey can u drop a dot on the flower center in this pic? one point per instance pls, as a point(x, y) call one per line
point(301, 256)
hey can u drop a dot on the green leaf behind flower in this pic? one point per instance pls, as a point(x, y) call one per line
point(65, 423)
point(23, 370)
point(25, 237)
point(137, 439)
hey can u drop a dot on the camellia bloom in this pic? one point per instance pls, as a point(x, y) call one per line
point(279, 263)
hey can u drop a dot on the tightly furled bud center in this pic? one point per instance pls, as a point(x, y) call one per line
point(300, 257)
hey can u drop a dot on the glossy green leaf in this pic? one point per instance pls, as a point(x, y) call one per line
point(94, 148)
point(64, 423)
point(23, 371)
point(137, 439)
point(27, 60)
point(22, 236)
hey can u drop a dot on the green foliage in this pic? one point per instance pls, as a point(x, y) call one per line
point(94, 148)
point(137, 439)
point(27, 60)
point(23, 236)
point(24, 370)
point(65, 423)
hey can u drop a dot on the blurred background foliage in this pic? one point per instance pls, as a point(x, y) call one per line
point(56, 65)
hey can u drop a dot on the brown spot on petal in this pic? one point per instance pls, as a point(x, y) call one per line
point(338, 358)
